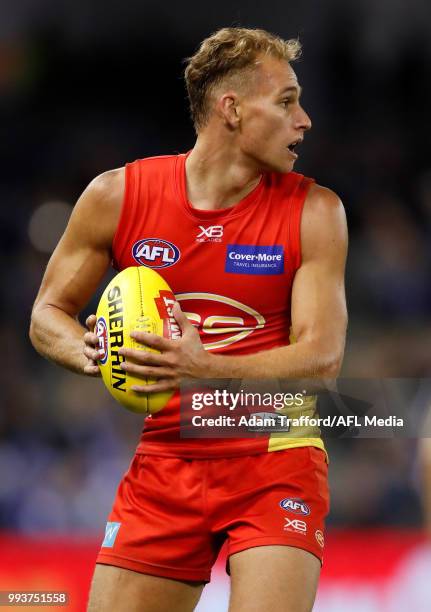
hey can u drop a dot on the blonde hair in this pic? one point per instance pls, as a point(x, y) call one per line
point(224, 54)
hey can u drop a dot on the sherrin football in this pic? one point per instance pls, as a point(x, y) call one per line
point(137, 298)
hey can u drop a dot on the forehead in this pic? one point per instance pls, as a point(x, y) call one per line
point(274, 75)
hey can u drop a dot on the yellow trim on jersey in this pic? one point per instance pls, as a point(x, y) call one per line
point(299, 435)
point(278, 442)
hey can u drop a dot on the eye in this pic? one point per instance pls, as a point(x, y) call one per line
point(286, 102)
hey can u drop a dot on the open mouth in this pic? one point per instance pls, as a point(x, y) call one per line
point(292, 146)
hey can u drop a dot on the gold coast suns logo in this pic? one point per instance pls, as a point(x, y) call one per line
point(222, 320)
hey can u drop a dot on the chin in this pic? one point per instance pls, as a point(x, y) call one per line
point(281, 167)
point(288, 167)
point(275, 164)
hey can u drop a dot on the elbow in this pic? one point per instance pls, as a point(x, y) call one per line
point(32, 331)
point(326, 357)
point(330, 365)
point(330, 370)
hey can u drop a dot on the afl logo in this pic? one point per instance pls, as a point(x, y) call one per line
point(155, 253)
point(297, 506)
point(221, 321)
point(102, 334)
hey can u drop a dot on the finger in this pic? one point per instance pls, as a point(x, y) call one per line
point(92, 353)
point(92, 370)
point(145, 371)
point(158, 387)
point(90, 322)
point(181, 318)
point(144, 357)
point(151, 340)
point(91, 339)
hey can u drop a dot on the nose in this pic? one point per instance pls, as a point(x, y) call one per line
point(304, 121)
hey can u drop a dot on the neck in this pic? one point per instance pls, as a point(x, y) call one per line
point(217, 174)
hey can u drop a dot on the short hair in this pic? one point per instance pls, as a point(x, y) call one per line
point(226, 53)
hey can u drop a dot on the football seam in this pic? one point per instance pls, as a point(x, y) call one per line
point(141, 302)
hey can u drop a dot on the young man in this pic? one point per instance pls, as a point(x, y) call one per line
point(233, 198)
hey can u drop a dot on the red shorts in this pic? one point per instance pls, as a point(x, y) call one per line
point(171, 516)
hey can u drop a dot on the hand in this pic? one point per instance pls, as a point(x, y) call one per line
point(91, 348)
point(177, 359)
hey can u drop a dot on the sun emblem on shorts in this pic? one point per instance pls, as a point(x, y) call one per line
point(319, 537)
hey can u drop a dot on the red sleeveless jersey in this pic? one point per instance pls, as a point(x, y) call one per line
point(231, 270)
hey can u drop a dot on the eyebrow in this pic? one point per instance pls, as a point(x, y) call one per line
point(294, 88)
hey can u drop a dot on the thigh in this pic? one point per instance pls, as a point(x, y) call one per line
point(280, 498)
point(158, 525)
point(273, 578)
point(123, 590)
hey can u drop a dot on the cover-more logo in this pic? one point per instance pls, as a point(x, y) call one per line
point(255, 259)
point(213, 233)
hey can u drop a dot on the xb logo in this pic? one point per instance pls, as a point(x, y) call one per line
point(213, 233)
point(295, 525)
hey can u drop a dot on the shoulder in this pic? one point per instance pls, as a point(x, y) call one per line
point(108, 187)
point(98, 209)
point(110, 184)
point(323, 204)
point(323, 223)
point(154, 164)
point(323, 199)
point(104, 195)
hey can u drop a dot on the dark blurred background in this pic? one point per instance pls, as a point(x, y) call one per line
point(85, 87)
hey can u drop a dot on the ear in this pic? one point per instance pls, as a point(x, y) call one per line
point(229, 109)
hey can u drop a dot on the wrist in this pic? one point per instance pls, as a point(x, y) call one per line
point(205, 367)
point(211, 366)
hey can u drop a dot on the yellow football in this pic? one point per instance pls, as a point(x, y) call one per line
point(137, 298)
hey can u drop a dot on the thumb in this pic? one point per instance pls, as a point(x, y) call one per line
point(90, 322)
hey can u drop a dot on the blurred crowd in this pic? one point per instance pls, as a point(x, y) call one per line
point(82, 94)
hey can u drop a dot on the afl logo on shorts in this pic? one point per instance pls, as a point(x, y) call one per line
point(155, 253)
point(297, 506)
point(102, 334)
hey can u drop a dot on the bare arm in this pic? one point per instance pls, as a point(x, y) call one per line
point(318, 311)
point(319, 316)
point(74, 271)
